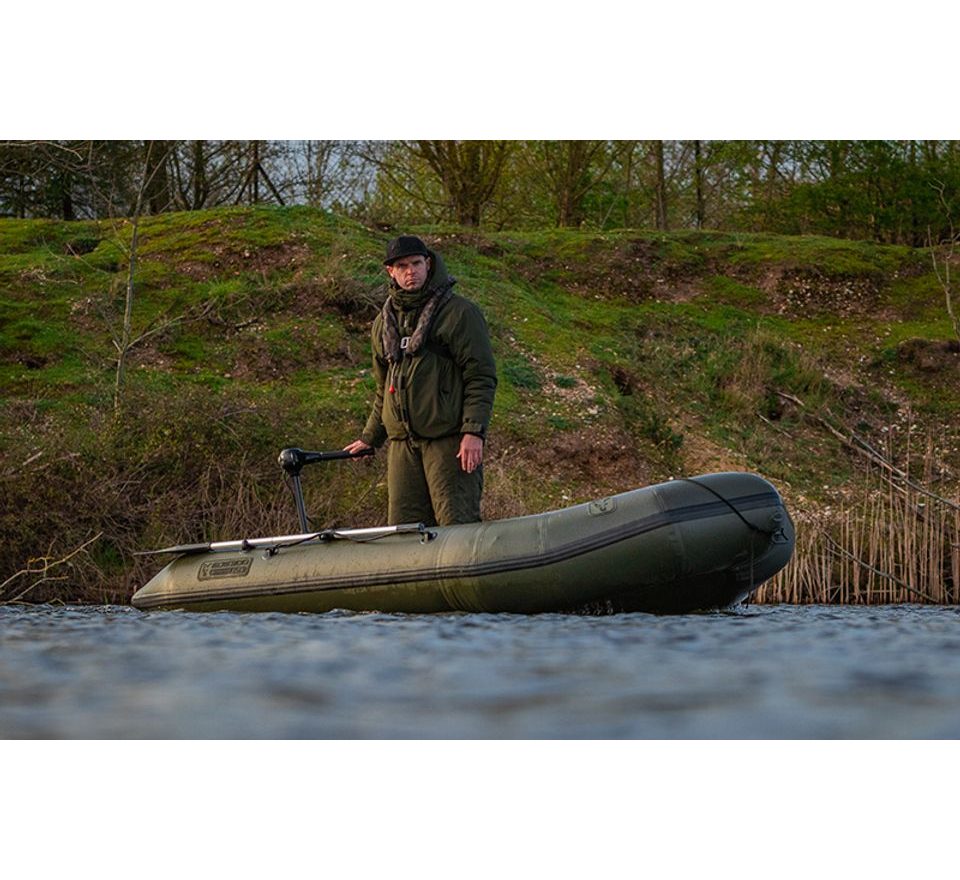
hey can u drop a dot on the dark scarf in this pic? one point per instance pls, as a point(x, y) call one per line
point(432, 300)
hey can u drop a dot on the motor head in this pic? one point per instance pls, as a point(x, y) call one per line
point(292, 460)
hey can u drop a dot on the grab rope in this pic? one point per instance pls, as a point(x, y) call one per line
point(726, 501)
point(743, 519)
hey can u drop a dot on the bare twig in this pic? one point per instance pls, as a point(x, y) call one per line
point(858, 444)
point(42, 566)
point(392, 171)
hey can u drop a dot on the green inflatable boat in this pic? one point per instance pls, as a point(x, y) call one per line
point(690, 544)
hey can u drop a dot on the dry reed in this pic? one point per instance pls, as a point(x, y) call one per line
point(893, 540)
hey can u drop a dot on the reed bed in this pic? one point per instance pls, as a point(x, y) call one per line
point(894, 540)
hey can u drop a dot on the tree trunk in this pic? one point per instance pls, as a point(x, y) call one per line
point(157, 195)
point(661, 186)
point(916, 235)
point(773, 156)
point(255, 170)
point(698, 182)
point(628, 186)
point(200, 188)
point(126, 333)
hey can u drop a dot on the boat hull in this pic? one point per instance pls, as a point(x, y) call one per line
point(686, 545)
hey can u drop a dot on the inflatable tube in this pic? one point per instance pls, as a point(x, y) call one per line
point(691, 544)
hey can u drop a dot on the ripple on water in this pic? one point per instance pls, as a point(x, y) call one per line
point(758, 671)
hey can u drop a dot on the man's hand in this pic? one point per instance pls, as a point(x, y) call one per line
point(471, 452)
point(357, 446)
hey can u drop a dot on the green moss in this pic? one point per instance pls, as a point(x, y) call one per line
point(728, 290)
point(916, 297)
point(818, 254)
point(189, 350)
point(28, 335)
point(35, 236)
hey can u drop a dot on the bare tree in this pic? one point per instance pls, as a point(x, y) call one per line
point(942, 267)
point(151, 166)
point(208, 173)
point(320, 160)
point(468, 170)
point(39, 178)
point(572, 169)
point(154, 161)
point(253, 175)
point(401, 181)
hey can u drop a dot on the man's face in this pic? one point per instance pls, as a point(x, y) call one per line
point(409, 272)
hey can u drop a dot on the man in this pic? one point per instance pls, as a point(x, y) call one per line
point(436, 379)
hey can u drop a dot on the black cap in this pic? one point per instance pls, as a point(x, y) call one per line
point(405, 246)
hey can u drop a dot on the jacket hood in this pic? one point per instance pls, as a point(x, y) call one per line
point(438, 277)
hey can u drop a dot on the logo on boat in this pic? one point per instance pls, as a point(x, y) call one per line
point(604, 505)
point(224, 568)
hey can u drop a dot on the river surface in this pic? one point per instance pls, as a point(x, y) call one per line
point(777, 672)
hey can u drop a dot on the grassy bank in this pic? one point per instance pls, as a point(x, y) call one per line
point(625, 358)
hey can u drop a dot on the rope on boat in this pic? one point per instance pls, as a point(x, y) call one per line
point(753, 527)
point(729, 504)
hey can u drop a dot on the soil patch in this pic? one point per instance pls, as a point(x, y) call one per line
point(601, 460)
point(229, 259)
point(474, 240)
point(803, 294)
point(634, 271)
point(931, 356)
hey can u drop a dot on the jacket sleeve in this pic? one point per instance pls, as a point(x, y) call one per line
point(469, 343)
point(374, 434)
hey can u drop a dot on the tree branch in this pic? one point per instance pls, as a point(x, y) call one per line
point(41, 566)
point(858, 444)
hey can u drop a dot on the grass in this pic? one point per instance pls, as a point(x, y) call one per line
point(625, 358)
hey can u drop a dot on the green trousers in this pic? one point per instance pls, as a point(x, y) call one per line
point(426, 484)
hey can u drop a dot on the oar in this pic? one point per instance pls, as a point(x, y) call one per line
point(271, 545)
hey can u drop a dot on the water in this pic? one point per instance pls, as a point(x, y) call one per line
point(756, 672)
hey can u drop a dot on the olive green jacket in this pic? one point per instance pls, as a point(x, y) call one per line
point(445, 388)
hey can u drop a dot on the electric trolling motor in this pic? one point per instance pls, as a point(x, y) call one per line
point(293, 460)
